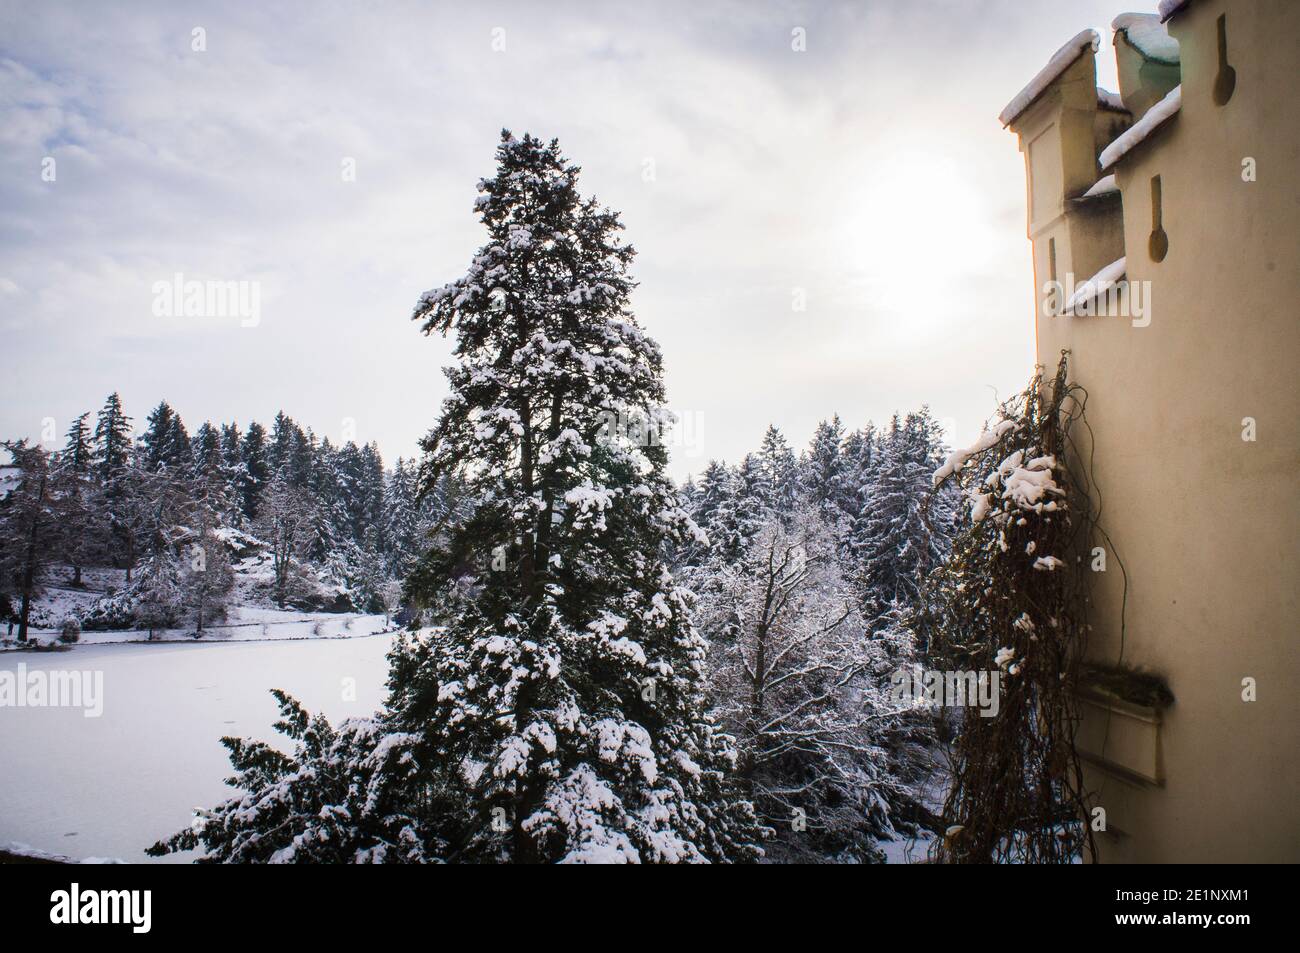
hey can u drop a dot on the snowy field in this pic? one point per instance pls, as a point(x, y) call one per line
point(244, 624)
point(249, 618)
point(908, 850)
point(111, 786)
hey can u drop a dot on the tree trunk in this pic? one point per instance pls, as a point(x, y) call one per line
point(29, 570)
point(22, 618)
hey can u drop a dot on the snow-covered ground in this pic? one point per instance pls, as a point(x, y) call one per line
point(908, 850)
point(244, 624)
point(59, 598)
point(934, 791)
point(108, 787)
point(250, 618)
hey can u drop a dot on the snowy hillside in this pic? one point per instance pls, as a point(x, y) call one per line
point(251, 616)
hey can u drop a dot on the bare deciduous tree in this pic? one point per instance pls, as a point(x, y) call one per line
point(793, 680)
point(284, 522)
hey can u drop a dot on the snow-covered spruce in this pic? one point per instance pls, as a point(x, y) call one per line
point(903, 530)
point(558, 713)
point(732, 504)
point(872, 488)
point(828, 477)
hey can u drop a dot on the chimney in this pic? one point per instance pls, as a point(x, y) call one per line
point(1147, 57)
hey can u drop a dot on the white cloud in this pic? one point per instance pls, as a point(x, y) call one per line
point(869, 170)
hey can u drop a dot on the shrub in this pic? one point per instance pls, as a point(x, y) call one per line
point(70, 629)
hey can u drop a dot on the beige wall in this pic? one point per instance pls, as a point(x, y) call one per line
point(1144, 83)
point(1206, 523)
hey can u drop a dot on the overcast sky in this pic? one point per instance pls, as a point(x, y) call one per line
point(869, 171)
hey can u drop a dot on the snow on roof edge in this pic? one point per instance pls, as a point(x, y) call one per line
point(1167, 8)
point(1061, 59)
point(1099, 283)
point(1146, 33)
point(1136, 133)
point(1104, 186)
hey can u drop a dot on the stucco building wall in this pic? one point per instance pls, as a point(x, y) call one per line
point(1206, 523)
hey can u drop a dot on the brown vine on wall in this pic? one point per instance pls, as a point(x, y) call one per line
point(1012, 600)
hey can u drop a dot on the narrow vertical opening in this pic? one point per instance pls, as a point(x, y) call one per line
point(1226, 80)
point(1051, 259)
point(1158, 245)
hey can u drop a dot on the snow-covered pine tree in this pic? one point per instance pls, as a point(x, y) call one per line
point(858, 457)
point(575, 626)
point(124, 515)
point(232, 470)
point(255, 469)
point(902, 533)
point(207, 578)
point(205, 448)
point(711, 492)
point(371, 527)
point(909, 739)
point(778, 471)
point(302, 455)
point(285, 521)
point(824, 476)
point(284, 433)
point(711, 504)
point(291, 451)
point(158, 509)
point(350, 474)
point(328, 531)
point(158, 594)
point(112, 461)
point(78, 452)
point(401, 519)
point(745, 510)
point(79, 501)
point(368, 577)
point(559, 715)
point(179, 453)
point(165, 442)
point(112, 438)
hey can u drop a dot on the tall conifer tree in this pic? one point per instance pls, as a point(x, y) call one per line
point(112, 438)
point(559, 714)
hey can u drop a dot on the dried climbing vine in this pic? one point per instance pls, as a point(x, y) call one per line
point(1012, 600)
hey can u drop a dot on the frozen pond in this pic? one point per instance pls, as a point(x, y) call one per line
point(111, 786)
